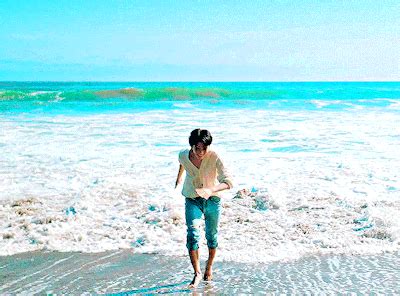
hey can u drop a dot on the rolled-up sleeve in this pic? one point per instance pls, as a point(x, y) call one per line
point(224, 176)
point(180, 157)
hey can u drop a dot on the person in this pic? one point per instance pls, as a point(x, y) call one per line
point(206, 176)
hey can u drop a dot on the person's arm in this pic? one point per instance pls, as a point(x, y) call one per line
point(207, 192)
point(179, 177)
point(220, 187)
point(224, 176)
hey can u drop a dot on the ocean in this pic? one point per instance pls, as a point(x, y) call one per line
point(91, 167)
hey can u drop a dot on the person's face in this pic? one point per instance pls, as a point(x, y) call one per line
point(200, 150)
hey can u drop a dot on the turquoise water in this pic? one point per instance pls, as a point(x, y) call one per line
point(100, 97)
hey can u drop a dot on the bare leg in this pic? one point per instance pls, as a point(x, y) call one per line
point(194, 259)
point(210, 261)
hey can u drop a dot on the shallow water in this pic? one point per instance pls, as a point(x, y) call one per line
point(125, 273)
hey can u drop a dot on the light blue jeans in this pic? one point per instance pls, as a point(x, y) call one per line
point(195, 208)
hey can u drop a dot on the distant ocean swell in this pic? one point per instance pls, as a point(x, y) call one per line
point(104, 97)
point(149, 94)
point(315, 95)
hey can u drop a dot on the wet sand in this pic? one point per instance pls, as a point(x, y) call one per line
point(125, 273)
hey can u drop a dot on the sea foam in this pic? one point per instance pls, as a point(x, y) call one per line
point(105, 181)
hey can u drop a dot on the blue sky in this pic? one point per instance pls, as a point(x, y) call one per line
point(96, 40)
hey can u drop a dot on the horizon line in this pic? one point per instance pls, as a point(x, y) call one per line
point(197, 81)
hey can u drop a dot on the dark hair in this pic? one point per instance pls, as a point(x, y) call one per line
point(200, 135)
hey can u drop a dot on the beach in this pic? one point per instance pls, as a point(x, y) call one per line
point(125, 273)
point(89, 169)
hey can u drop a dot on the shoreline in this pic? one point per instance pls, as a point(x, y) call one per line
point(123, 272)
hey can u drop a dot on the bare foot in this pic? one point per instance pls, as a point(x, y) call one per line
point(208, 277)
point(196, 280)
point(208, 274)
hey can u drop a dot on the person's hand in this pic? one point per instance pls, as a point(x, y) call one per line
point(204, 192)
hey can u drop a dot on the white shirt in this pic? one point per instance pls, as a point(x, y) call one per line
point(211, 173)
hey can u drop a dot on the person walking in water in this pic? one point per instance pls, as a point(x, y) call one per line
point(206, 176)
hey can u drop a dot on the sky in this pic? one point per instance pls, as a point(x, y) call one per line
point(106, 40)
